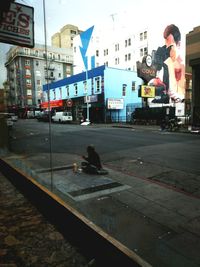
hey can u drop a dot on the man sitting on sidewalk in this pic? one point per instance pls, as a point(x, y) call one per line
point(92, 164)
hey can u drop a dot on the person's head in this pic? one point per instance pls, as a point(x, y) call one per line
point(172, 35)
point(90, 148)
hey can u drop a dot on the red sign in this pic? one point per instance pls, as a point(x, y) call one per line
point(52, 104)
point(17, 26)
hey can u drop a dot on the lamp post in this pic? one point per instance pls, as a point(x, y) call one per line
point(87, 103)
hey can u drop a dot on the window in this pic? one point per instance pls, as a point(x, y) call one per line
point(27, 62)
point(26, 51)
point(29, 92)
point(54, 94)
point(37, 63)
point(73, 32)
point(60, 89)
point(75, 89)
point(30, 102)
point(116, 47)
point(97, 53)
point(145, 35)
point(36, 53)
point(116, 61)
point(67, 88)
point(85, 87)
point(38, 82)
point(105, 52)
point(126, 43)
point(28, 72)
point(129, 56)
point(97, 84)
point(28, 82)
point(141, 36)
point(124, 89)
point(145, 51)
point(129, 41)
point(141, 52)
point(126, 57)
point(133, 86)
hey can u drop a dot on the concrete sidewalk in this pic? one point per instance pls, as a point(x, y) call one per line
point(159, 223)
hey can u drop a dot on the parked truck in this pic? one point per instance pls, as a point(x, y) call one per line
point(62, 117)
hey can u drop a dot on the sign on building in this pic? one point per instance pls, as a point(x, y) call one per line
point(148, 91)
point(17, 26)
point(115, 103)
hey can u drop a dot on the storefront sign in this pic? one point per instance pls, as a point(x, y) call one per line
point(147, 91)
point(115, 103)
point(17, 26)
point(52, 104)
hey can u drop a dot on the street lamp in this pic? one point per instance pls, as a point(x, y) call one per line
point(87, 102)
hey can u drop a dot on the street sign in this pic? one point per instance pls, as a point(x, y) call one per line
point(69, 103)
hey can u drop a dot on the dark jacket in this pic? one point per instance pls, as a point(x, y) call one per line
point(93, 158)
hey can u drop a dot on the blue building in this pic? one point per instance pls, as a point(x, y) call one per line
point(104, 94)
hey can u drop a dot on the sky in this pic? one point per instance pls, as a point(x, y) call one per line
point(128, 13)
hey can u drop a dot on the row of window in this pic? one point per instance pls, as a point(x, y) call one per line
point(51, 55)
point(143, 36)
point(75, 86)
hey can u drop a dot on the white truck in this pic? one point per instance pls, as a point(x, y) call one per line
point(62, 116)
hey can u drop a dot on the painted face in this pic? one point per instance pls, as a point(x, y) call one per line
point(169, 40)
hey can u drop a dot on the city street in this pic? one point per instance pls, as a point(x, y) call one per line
point(149, 201)
point(177, 151)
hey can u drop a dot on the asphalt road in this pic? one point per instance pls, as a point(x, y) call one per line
point(179, 151)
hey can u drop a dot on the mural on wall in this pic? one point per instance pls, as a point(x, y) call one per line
point(167, 68)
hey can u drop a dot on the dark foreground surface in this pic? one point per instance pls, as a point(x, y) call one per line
point(26, 237)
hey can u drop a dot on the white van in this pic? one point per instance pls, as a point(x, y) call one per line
point(62, 116)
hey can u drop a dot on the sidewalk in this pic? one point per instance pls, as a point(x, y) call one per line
point(159, 223)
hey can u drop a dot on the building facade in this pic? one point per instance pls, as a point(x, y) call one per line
point(64, 38)
point(112, 49)
point(108, 94)
point(28, 69)
point(193, 67)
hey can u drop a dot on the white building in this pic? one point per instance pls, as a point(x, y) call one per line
point(116, 46)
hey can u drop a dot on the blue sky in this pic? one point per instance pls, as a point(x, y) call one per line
point(86, 13)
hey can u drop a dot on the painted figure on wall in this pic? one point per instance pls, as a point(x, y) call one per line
point(170, 78)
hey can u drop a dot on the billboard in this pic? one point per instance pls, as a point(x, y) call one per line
point(17, 26)
point(166, 70)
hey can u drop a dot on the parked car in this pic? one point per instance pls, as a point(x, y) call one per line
point(62, 116)
point(44, 116)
